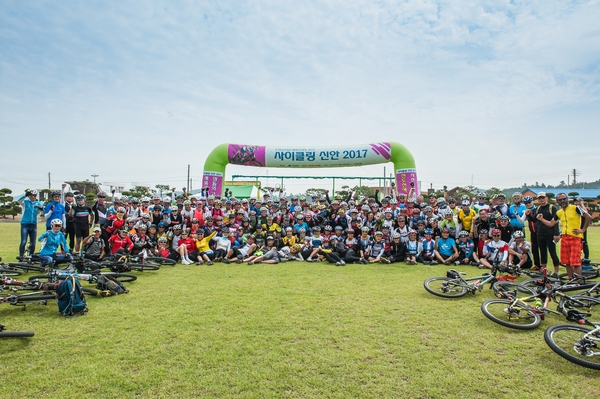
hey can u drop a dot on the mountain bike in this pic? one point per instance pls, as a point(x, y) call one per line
point(35, 286)
point(24, 300)
point(527, 313)
point(14, 334)
point(129, 262)
point(576, 343)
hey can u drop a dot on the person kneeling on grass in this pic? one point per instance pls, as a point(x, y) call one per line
point(427, 256)
point(377, 249)
point(494, 250)
point(445, 248)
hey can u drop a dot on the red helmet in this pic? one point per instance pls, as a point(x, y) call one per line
point(496, 232)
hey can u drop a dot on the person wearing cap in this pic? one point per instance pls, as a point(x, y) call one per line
point(269, 255)
point(31, 208)
point(546, 227)
point(82, 218)
point(67, 200)
point(446, 251)
point(54, 210)
point(93, 245)
point(99, 208)
point(205, 253)
point(574, 222)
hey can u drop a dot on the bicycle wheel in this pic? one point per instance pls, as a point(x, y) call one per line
point(121, 277)
point(142, 266)
point(503, 312)
point(504, 289)
point(157, 260)
point(445, 287)
point(575, 343)
point(587, 274)
point(9, 272)
point(583, 303)
point(16, 334)
point(26, 267)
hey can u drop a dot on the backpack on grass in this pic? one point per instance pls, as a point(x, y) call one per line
point(70, 297)
point(109, 286)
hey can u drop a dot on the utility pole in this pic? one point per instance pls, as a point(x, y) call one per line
point(575, 174)
point(94, 176)
point(187, 187)
point(49, 188)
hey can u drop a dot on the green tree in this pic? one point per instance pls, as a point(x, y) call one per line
point(573, 194)
point(363, 190)
point(161, 188)
point(492, 191)
point(316, 191)
point(7, 203)
point(138, 191)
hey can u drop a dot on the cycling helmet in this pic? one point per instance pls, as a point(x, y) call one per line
point(145, 199)
point(428, 231)
point(349, 230)
point(31, 192)
point(465, 197)
point(388, 211)
point(441, 201)
point(208, 219)
point(465, 203)
point(412, 200)
point(299, 216)
point(338, 228)
point(483, 231)
point(121, 209)
point(174, 208)
point(451, 200)
point(481, 195)
point(288, 229)
point(152, 226)
point(130, 220)
point(463, 233)
point(80, 198)
point(135, 200)
point(433, 220)
point(302, 230)
point(501, 195)
point(177, 227)
point(393, 202)
point(411, 232)
point(365, 208)
point(166, 199)
point(354, 210)
point(101, 194)
point(428, 209)
point(56, 222)
point(518, 234)
point(528, 200)
point(378, 233)
point(55, 193)
point(145, 215)
point(328, 228)
point(316, 228)
point(504, 218)
point(365, 229)
point(496, 232)
point(334, 238)
point(448, 212)
point(187, 202)
point(423, 205)
point(162, 239)
point(517, 194)
point(162, 224)
point(396, 235)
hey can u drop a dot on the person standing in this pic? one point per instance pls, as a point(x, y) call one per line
point(83, 218)
point(574, 222)
point(31, 208)
point(547, 231)
point(54, 210)
point(69, 230)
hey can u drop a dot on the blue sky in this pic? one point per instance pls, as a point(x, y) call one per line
point(497, 93)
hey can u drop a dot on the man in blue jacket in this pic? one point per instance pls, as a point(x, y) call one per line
point(54, 210)
point(31, 207)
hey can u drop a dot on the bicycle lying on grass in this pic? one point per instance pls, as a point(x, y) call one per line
point(14, 334)
point(527, 313)
point(456, 286)
point(576, 343)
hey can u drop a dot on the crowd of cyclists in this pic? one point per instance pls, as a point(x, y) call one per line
point(204, 229)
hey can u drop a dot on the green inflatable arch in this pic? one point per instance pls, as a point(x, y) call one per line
point(311, 157)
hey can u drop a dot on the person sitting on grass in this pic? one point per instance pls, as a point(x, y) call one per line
point(51, 240)
point(519, 251)
point(397, 251)
point(377, 250)
point(413, 248)
point(120, 243)
point(190, 255)
point(466, 249)
point(427, 256)
point(93, 245)
point(494, 250)
point(445, 248)
point(270, 253)
point(243, 252)
point(205, 254)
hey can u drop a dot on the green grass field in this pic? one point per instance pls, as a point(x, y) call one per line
point(294, 330)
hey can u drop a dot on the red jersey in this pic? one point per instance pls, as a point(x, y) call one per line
point(116, 243)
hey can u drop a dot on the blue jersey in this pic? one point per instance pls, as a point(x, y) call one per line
point(54, 210)
point(445, 246)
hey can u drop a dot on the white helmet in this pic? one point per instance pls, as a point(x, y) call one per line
point(56, 222)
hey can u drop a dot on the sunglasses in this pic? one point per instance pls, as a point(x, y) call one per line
point(495, 235)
